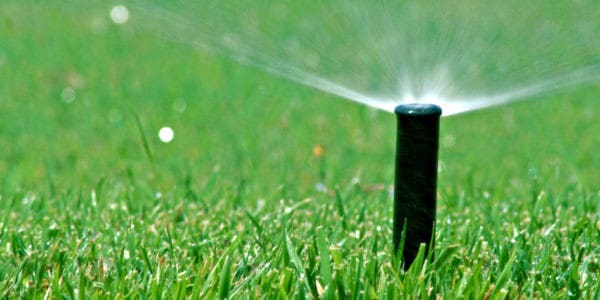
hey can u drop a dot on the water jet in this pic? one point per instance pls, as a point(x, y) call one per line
point(463, 57)
point(415, 178)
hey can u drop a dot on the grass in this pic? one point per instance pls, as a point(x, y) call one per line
point(93, 205)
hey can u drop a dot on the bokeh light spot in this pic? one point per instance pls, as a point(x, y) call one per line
point(119, 14)
point(166, 134)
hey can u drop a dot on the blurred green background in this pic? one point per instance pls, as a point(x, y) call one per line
point(71, 85)
point(89, 196)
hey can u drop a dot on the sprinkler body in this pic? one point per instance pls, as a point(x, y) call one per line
point(416, 178)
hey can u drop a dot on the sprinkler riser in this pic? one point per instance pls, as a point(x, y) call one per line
point(415, 183)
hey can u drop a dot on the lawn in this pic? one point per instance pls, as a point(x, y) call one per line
point(269, 189)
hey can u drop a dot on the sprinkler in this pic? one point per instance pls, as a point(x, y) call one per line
point(416, 178)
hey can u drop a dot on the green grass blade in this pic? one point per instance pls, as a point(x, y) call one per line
point(254, 222)
point(505, 275)
point(445, 255)
point(145, 143)
point(225, 279)
point(340, 207)
point(294, 259)
point(325, 267)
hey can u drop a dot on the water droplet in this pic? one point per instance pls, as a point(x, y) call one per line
point(75, 80)
point(119, 14)
point(321, 187)
point(449, 141)
point(441, 166)
point(549, 230)
point(115, 116)
point(166, 134)
point(260, 204)
point(68, 95)
point(98, 24)
point(179, 105)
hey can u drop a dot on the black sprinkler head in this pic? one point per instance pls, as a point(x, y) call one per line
point(416, 177)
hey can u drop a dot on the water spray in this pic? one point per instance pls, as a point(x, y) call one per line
point(416, 178)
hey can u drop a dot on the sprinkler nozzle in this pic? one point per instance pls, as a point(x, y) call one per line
point(416, 178)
